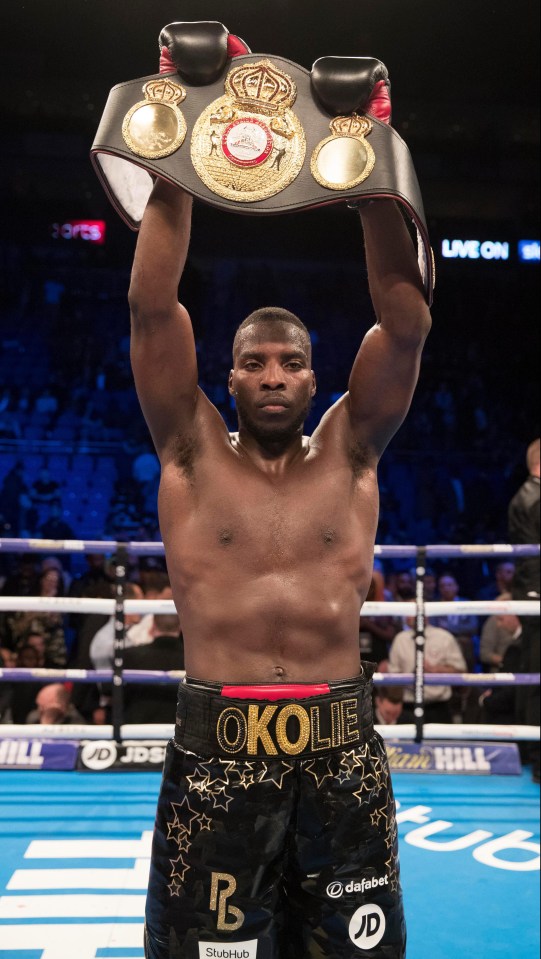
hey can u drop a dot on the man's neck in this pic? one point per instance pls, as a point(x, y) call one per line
point(273, 456)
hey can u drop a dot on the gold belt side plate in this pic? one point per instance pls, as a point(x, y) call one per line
point(248, 145)
point(344, 159)
point(155, 127)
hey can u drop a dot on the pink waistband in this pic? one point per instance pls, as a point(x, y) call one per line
point(274, 691)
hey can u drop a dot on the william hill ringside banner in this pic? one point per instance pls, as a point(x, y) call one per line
point(447, 758)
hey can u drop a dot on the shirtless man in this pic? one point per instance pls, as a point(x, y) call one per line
point(276, 835)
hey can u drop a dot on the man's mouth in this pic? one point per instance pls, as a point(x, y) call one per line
point(276, 403)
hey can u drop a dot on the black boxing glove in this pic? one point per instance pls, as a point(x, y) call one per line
point(345, 85)
point(198, 51)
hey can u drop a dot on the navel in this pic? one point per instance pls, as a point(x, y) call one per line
point(279, 672)
point(225, 537)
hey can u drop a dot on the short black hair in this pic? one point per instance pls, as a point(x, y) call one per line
point(270, 315)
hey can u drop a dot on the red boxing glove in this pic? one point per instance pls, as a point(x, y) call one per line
point(236, 47)
point(379, 104)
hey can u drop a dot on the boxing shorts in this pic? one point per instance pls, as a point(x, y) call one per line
point(276, 833)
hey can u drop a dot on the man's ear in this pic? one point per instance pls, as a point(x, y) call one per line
point(314, 383)
point(230, 384)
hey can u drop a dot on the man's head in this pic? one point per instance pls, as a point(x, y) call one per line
point(53, 703)
point(507, 621)
point(533, 457)
point(405, 585)
point(272, 380)
point(389, 703)
point(132, 591)
point(447, 587)
point(504, 575)
point(166, 624)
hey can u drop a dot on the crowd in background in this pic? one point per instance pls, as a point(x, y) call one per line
point(76, 461)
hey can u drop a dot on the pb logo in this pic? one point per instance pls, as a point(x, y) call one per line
point(367, 927)
point(229, 917)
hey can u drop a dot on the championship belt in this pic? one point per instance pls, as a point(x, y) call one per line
point(257, 135)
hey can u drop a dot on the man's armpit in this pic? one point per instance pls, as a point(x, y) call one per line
point(186, 450)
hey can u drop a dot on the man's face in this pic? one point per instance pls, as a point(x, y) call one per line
point(390, 712)
point(505, 573)
point(271, 381)
point(448, 588)
point(404, 583)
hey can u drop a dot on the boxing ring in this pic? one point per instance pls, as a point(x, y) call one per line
point(77, 803)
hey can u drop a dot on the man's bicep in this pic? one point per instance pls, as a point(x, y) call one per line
point(382, 384)
point(164, 365)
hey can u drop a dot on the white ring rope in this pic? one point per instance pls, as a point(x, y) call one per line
point(158, 731)
point(55, 604)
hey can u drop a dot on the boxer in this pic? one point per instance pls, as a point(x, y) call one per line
point(276, 834)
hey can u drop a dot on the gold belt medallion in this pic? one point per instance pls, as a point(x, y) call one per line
point(155, 127)
point(248, 144)
point(344, 159)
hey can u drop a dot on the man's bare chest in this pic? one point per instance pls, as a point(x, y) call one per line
point(312, 513)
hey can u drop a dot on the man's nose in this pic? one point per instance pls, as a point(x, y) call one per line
point(273, 377)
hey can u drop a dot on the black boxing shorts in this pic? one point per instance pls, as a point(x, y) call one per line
point(276, 833)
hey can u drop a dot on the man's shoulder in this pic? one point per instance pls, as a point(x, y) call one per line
point(438, 632)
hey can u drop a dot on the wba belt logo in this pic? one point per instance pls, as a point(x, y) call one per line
point(289, 730)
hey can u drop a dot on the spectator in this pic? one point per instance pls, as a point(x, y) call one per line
point(388, 705)
point(463, 628)
point(442, 655)
point(55, 527)
point(54, 562)
point(101, 649)
point(54, 707)
point(97, 582)
point(404, 586)
point(523, 518)
point(497, 634)
point(44, 488)
point(23, 695)
point(430, 586)
point(153, 703)
point(19, 625)
point(25, 578)
point(498, 704)
point(376, 632)
point(7, 661)
point(502, 582)
point(156, 588)
point(13, 487)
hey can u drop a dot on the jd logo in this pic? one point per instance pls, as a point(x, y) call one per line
point(367, 927)
point(223, 887)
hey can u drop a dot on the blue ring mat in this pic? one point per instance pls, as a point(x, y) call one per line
point(470, 864)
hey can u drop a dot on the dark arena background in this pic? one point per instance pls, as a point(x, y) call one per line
point(77, 463)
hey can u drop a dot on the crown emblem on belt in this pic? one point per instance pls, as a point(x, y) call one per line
point(261, 87)
point(352, 126)
point(164, 91)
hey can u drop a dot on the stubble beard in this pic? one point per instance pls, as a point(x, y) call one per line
point(275, 433)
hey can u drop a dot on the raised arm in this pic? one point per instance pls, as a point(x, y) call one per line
point(386, 368)
point(162, 343)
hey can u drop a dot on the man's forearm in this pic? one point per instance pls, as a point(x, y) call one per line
point(161, 252)
point(393, 271)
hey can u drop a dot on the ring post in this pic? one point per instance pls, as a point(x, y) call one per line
point(420, 624)
point(117, 704)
